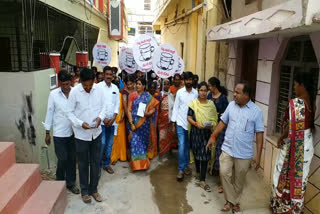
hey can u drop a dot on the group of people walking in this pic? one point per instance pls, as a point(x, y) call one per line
point(105, 118)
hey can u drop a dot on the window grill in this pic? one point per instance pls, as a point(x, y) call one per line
point(145, 27)
point(299, 56)
point(31, 29)
point(147, 4)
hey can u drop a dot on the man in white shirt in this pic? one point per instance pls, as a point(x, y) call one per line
point(111, 93)
point(86, 109)
point(179, 116)
point(64, 145)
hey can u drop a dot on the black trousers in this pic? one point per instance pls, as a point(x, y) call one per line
point(201, 167)
point(88, 154)
point(65, 150)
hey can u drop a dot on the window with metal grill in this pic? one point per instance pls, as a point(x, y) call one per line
point(29, 33)
point(144, 27)
point(147, 4)
point(299, 56)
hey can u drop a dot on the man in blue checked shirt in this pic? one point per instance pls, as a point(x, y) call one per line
point(243, 119)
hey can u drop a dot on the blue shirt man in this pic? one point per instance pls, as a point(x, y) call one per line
point(243, 119)
point(243, 123)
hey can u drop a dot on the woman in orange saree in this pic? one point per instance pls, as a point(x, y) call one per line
point(139, 131)
point(153, 148)
point(126, 92)
point(119, 148)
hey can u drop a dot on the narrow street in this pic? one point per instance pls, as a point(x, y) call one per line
point(157, 191)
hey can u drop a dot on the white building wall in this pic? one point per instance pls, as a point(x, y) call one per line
point(16, 112)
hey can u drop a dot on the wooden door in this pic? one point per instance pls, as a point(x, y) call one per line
point(250, 64)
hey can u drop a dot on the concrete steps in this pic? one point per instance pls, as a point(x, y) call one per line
point(55, 202)
point(22, 189)
point(7, 156)
point(16, 185)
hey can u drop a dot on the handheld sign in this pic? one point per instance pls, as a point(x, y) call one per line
point(127, 61)
point(180, 69)
point(143, 51)
point(101, 54)
point(143, 70)
point(165, 61)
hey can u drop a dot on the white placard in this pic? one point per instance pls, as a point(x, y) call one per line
point(165, 61)
point(101, 54)
point(180, 69)
point(141, 109)
point(127, 60)
point(143, 51)
point(144, 70)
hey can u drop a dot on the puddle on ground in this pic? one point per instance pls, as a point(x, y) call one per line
point(170, 195)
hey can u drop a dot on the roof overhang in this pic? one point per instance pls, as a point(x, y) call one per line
point(161, 6)
point(291, 17)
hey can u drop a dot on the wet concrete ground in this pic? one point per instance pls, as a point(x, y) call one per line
point(170, 196)
point(157, 191)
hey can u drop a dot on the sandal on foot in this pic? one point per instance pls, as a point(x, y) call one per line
point(74, 189)
point(97, 197)
point(236, 208)
point(205, 186)
point(227, 207)
point(86, 199)
point(220, 189)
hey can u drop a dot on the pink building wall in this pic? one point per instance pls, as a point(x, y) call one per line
point(271, 52)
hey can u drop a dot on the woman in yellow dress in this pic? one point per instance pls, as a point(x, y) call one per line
point(119, 148)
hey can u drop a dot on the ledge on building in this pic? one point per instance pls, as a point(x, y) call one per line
point(291, 17)
point(161, 6)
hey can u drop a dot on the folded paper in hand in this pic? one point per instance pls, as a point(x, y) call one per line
point(207, 124)
point(141, 109)
point(93, 124)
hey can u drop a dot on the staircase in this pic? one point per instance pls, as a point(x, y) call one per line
point(22, 190)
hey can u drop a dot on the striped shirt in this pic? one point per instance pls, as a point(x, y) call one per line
point(243, 123)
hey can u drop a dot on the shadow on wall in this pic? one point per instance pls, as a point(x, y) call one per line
point(25, 123)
